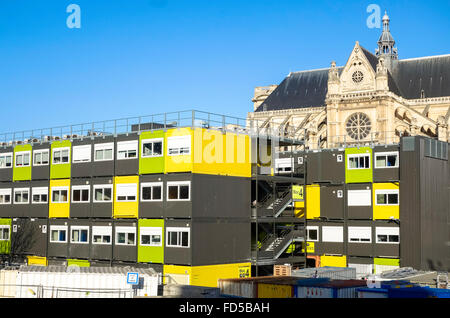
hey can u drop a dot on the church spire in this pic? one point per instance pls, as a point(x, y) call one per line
point(386, 42)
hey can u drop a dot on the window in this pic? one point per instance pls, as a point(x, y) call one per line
point(41, 157)
point(4, 232)
point(152, 148)
point(125, 235)
point(79, 234)
point(127, 149)
point(151, 236)
point(151, 191)
point(284, 165)
point(360, 161)
point(21, 195)
point(23, 159)
point(58, 234)
point(179, 145)
point(103, 151)
point(126, 192)
point(103, 193)
point(80, 194)
point(359, 198)
point(61, 155)
point(359, 234)
point(333, 234)
point(5, 160)
point(386, 160)
point(312, 233)
point(39, 195)
point(358, 126)
point(101, 235)
point(81, 153)
point(177, 237)
point(178, 191)
point(388, 235)
point(387, 197)
point(60, 194)
point(357, 77)
point(5, 196)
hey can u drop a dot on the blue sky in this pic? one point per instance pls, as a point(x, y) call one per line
point(140, 57)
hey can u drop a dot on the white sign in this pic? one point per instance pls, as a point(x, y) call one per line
point(133, 278)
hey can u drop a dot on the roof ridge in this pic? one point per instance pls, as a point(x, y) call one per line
point(424, 57)
point(317, 69)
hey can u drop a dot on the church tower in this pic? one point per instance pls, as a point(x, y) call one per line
point(386, 42)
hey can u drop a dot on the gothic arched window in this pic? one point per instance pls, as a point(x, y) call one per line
point(358, 126)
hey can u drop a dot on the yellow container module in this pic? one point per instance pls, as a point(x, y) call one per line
point(312, 201)
point(275, 291)
point(206, 276)
point(386, 203)
point(126, 197)
point(207, 151)
point(37, 260)
point(333, 261)
point(59, 206)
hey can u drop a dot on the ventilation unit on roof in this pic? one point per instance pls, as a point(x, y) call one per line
point(55, 138)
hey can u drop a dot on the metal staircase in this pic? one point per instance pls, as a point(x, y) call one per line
point(274, 204)
point(274, 245)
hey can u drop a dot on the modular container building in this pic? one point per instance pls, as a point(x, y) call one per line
point(337, 273)
point(329, 289)
point(259, 287)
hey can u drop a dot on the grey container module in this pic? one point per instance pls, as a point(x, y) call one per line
point(6, 174)
point(79, 239)
point(39, 209)
point(154, 208)
point(386, 249)
point(79, 208)
point(313, 166)
point(332, 201)
point(21, 209)
point(126, 252)
point(178, 208)
point(130, 165)
point(337, 273)
point(100, 166)
point(29, 236)
point(358, 245)
point(178, 255)
point(102, 197)
point(387, 169)
point(332, 166)
point(360, 212)
point(322, 247)
point(40, 169)
point(82, 169)
point(6, 209)
point(58, 244)
point(101, 241)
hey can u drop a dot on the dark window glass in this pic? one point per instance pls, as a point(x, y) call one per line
point(107, 194)
point(147, 193)
point(145, 239)
point(121, 238)
point(157, 193)
point(62, 235)
point(173, 238)
point(173, 192)
point(157, 148)
point(184, 239)
point(394, 238)
point(312, 234)
point(393, 198)
point(184, 192)
point(130, 238)
point(76, 195)
point(85, 195)
point(382, 238)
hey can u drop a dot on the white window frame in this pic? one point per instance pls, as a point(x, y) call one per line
point(178, 230)
point(27, 190)
point(102, 230)
point(130, 145)
point(178, 183)
point(127, 230)
point(103, 147)
point(387, 192)
point(386, 154)
point(178, 144)
point(282, 163)
point(389, 231)
point(335, 236)
point(80, 228)
point(23, 154)
point(81, 188)
point(61, 149)
point(7, 154)
point(359, 198)
point(363, 234)
point(103, 186)
point(151, 231)
point(2, 228)
point(39, 191)
point(359, 155)
point(120, 189)
point(151, 185)
point(41, 152)
point(4, 192)
point(308, 228)
point(60, 189)
point(152, 141)
point(81, 154)
point(58, 228)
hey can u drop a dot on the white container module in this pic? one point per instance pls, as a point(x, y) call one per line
point(338, 273)
point(83, 282)
point(8, 283)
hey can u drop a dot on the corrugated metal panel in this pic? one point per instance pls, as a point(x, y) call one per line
point(8, 282)
point(239, 288)
point(275, 291)
point(326, 272)
point(314, 292)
